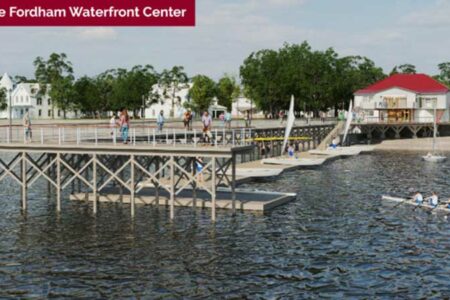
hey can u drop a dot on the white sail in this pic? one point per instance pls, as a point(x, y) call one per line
point(348, 123)
point(289, 123)
point(433, 156)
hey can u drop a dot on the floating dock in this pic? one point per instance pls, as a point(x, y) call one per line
point(261, 201)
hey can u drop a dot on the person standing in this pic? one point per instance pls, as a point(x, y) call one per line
point(281, 116)
point(27, 127)
point(160, 121)
point(112, 124)
point(124, 125)
point(207, 123)
point(187, 119)
point(222, 119)
point(247, 119)
point(228, 119)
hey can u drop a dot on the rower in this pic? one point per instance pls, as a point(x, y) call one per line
point(418, 198)
point(433, 200)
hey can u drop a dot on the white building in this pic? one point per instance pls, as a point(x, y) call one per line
point(25, 97)
point(162, 100)
point(7, 84)
point(241, 105)
point(403, 98)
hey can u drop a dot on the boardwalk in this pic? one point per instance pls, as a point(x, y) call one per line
point(169, 164)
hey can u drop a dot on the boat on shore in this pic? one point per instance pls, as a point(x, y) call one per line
point(407, 201)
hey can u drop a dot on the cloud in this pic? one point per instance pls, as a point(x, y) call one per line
point(436, 16)
point(100, 33)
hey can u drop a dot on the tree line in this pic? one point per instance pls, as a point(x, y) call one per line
point(319, 80)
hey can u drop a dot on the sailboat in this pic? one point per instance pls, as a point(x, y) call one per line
point(348, 122)
point(289, 124)
point(433, 156)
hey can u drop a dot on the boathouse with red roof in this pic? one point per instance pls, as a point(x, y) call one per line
point(403, 98)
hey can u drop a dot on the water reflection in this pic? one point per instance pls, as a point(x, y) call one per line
point(336, 240)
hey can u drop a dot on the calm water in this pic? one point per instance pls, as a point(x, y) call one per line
point(336, 240)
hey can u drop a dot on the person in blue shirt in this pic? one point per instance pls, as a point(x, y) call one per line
point(290, 151)
point(160, 121)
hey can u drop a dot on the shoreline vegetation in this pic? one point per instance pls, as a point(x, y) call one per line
point(319, 80)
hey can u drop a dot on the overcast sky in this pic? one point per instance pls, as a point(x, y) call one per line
point(389, 32)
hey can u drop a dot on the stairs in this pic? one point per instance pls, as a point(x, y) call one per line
point(334, 133)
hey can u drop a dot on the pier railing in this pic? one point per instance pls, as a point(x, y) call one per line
point(269, 140)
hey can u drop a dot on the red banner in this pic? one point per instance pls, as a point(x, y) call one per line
point(97, 12)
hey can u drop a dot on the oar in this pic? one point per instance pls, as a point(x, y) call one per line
point(401, 202)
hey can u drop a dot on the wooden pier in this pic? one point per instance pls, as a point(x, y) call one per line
point(178, 167)
point(93, 169)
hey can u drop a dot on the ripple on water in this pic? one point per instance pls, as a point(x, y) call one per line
point(336, 240)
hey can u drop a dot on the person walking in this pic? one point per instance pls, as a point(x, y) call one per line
point(207, 123)
point(124, 125)
point(27, 127)
point(160, 121)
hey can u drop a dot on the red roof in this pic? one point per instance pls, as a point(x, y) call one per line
point(419, 83)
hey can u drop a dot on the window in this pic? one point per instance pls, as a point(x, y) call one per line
point(49, 113)
point(40, 113)
point(39, 101)
point(49, 101)
point(21, 99)
point(427, 102)
point(59, 113)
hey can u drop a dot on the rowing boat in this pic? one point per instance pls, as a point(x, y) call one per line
point(424, 205)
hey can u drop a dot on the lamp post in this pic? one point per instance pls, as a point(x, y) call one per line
point(10, 112)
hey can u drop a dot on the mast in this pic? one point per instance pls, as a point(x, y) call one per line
point(434, 128)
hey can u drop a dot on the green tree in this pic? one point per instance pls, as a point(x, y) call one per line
point(86, 96)
point(227, 90)
point(260, 74)
point(444, 75)
point(172, 81)
point(202, 92)
point(404, 69)
point(319, 80)
point(3, 100)
point(126, 88)
point(23, 79)
point(56, 74)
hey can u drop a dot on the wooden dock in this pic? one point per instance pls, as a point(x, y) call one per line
point(95, 168)
point(153, 168)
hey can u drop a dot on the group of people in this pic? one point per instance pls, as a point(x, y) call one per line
point(123, 123)
point(432, 200)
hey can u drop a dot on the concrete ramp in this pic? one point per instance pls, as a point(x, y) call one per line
point(334, 133)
